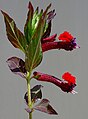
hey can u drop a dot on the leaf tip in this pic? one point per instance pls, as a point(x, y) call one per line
point(30, 5)
point(50, 5)
point(1, 11)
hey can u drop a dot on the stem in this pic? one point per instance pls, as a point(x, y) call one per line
point(30, 115)
point(29, 94)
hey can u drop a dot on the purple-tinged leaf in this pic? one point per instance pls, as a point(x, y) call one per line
point(48, 31)
point(14, 35)
point(44, 106)
point(36, 94)
point(45, 12)
point(17, 66)
point(26, 98)
point(51, 15)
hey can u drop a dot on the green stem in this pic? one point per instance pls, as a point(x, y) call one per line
point(30, 115)
point(29, 94)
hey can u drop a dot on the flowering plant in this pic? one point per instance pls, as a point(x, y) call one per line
point(35, 40)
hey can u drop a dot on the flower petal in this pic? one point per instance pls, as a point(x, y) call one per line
point(65, 36)
point(69, 78)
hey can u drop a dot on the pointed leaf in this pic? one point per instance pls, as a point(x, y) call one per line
point(47, 27)
point(48, 31)
point(34, 50)
point(26, 97)
point(44, 106)
point(14, 35)
point(36, 94)
point(28, 25)
point(51, 15)
point(35, 20)
point(17, 66)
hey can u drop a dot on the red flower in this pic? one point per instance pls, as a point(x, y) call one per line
point(69, 78)
point(66, 36)
point(66, 86)
point(67, 42)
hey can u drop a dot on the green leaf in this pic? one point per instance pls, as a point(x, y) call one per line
point(28, 25)
point(48, 31)
point(34, 50)
point(35, 20)
point(14, 35)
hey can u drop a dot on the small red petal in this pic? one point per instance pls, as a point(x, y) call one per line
point(69, 78)
point(65, 36)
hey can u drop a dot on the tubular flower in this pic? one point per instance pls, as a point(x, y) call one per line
point(66, 85)
point(66, 42)
point(49, 39)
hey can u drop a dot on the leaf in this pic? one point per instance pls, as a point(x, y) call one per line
point(17, 66)
point(51, 15)
point(35, 19)
point(36, 94)
point(44, 106)
point(48, 31)
point(28, 25)
point(14, 35)
point(34, 50)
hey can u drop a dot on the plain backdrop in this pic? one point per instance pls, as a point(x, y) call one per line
point(72, 16)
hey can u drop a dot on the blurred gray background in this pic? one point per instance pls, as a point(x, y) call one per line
point(72, 15)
